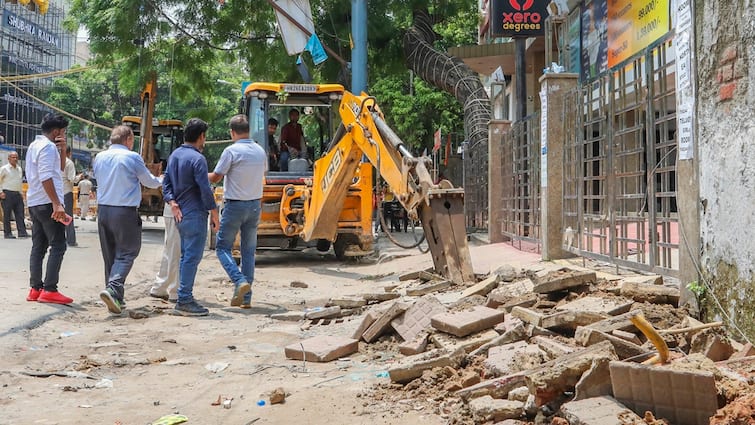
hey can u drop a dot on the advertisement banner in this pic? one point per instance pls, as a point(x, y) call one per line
point(634, 25)
point(518, 18)
point(594, 39)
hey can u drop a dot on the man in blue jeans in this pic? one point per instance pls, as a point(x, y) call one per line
point(187, 190)
point(243, 164)
point(121, 173)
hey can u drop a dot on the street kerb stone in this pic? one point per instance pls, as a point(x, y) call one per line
point(380, 296)
point(603, 410)
point(322, 313)
point(383, 322)
point(348, 302)
point(467, 322)
point(563, 279)
point(608, 306)
point(322, 348)
point(428, 288)
point(682, 397)
point(468, 344)
point(412, 367)
point(368, 319)
point(527, 315)
point(417, 317)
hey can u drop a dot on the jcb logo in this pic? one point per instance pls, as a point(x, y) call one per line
point(518, 6)
point(335, 164)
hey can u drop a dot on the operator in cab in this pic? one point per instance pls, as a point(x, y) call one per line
point(292, 140)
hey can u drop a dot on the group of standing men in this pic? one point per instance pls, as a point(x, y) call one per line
point(189, 198)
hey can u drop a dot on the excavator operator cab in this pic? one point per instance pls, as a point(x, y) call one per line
point(313, 107)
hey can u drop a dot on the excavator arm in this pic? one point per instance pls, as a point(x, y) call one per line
point(440, 208)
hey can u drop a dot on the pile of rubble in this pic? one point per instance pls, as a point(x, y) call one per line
point(558, 347)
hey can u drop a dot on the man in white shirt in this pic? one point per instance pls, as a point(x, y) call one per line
point(85, 192)
point(11, 178)
point(45, 160)
point(69, 175)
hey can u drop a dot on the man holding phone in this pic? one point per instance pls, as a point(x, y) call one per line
point(45, 161)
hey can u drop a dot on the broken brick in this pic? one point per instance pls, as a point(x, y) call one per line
point(489, 409)
point(599, 411)
point(650, 293)
point(482, 288)
point(415, 346)
point(468, 344)
point(412, 367)
point(570, 319)
point(563, 279)
point(322, 348)
point(585, 337)
point(470, 378)
point(527, 315)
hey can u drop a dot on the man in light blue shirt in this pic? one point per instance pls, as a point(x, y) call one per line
point(44, 165)
point(120, 173)
point(243, 164)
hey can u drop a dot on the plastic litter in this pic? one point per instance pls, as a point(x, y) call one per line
point(261, 403)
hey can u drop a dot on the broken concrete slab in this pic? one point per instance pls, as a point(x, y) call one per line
point(489, 409)
point(321, 348)
point(468, 344)
point(601, 305)
point(322, 313)
point(553, 378)
point(368, 319)
point(527, 315)
point(595, 382)
point(463, 323)
point(552, 347)
point(620, 322)
point(586, 337)
point(519, 394)
point(383, 322)
point(563, 279)
point(712, 344)
point(417, 317)
point(469, 378)
point(496, 387)
point(289, 316)
point(348, 302)
point(506, 273)
point(644, 280)
point(570, 319)
point(599, 411)
point(650, 293)
point(481, 288)
point(513, 334)
point(420, 274)
point(412, 367)
point(498, 300)
point(628, 336)
point(746, 351)
point(682, 397)
point(414, 346)
point(428, 288)
point(511, 358)
point(380, 296)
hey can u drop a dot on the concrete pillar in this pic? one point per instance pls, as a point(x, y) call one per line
point(496, 130)
point(553, 87)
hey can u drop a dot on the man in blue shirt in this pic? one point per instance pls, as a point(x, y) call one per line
point(243, 164)
point(186, 188)
point(120, 173)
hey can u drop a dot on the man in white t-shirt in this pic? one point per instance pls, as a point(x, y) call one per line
point(11, 180)
point(69, 175)
point(45, 160)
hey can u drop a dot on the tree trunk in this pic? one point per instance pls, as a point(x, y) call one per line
point(449, 74)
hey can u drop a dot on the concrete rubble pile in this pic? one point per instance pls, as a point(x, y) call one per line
point(546, 347)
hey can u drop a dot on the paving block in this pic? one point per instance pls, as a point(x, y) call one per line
point(599, 411)
point(428, 288)
point(620, 322)
point(488, 408)
point(585, 337)
point(416, 319)
point(412, 367)
point(501, 359)
point(322, 348)
point(467, 322)
point(525, 301)
point(322, 313)
point(468, 344)
point(527, 315)
point(482, 288)
point(380, 296)
point(563, 279)
point(368, 319)
point(519, 292)
point(608, 306)
point(552, 347)
point(628, 336)
point(568, 319)
point(414, 346)
point(289, 316)
point(383, 322)
point(348, 302)
point(650, 293)
point(682, 397)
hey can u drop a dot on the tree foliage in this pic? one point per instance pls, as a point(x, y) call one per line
point(192, 44)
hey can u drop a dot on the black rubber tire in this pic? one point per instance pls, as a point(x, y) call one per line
point(323, 245)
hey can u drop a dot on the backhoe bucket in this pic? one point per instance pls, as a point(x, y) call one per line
point(443, 222)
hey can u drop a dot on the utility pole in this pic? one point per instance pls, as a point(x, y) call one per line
point(359, 52)
point(520, 71)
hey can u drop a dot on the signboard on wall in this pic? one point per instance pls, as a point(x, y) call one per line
point(21, 25)
point(594, 20)
point(518, 18)
point(633, 25)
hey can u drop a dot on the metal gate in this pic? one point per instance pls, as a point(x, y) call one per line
point(520, 194)
point(475, 170)
point(620, 165)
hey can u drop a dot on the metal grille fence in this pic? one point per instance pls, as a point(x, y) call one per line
point(620, 165)
point(476, 186)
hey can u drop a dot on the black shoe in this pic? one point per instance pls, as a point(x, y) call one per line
point(23, 236)
point(160, 296)
point(10, 237)
point(73, 244)
point(190, 309)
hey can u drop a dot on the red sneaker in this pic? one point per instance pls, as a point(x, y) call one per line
point(33, 294)
point(54, 298)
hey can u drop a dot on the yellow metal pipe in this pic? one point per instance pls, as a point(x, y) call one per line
point(649, 331)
